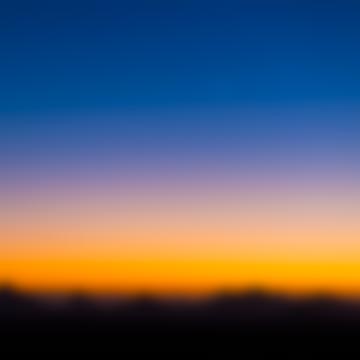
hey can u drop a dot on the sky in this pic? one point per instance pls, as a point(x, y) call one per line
point(180, 146)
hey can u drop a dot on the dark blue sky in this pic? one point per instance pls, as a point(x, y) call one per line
point(187, 58)
point(110, 54)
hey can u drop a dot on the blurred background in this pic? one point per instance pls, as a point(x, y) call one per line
point(180, 147)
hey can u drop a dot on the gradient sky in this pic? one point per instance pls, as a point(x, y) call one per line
point(180, 146)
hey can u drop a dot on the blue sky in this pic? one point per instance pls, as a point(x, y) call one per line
point(113, 78)
point(113, 54)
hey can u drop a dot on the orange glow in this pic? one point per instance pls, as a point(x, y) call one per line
point(180, 276)
point(292, 242)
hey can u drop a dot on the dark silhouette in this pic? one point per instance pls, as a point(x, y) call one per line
point(251, 311)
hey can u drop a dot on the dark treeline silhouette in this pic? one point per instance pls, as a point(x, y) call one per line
point(243, 312)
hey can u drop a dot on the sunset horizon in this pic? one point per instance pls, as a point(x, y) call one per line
point(175, 148)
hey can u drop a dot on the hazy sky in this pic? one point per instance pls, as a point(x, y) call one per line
point(180, 145)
